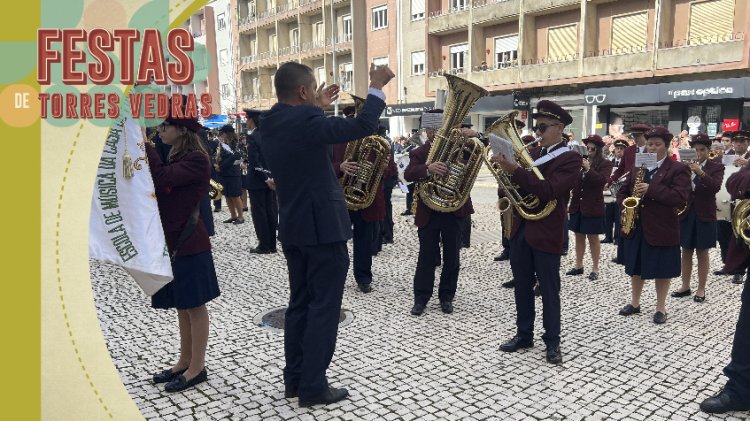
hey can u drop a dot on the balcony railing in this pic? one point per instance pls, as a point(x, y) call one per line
point(306, 2)
point(267, 13)
point(247, 20)
point(312, 45)
point(482, 3)
point(293, 49)
point(248, 59)
point(267, 55)
point(248, 98)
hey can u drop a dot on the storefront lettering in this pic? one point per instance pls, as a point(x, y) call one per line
point(716, 90)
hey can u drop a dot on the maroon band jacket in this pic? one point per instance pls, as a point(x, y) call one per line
point(588, 190)
point(703, 198)
point(738, 186)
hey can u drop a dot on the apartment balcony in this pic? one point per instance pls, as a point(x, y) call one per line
point(504, 74)
point(618, 63)
point(257, 102)
point(292, 50)
point(287, 11)
point(247, 24)
point(447, 21)
point(267, 59)
point(267, 17)
point(311, 49)
point(701, 55)
point(309, 6)
point(548, 71)
point(489, 11)
point(534, 6)
point(247, 62)
point(343, 43)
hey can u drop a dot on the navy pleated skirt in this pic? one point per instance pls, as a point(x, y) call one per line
point(696, 234)
point(194, 283)
point(580, 224)
point(650, 262)
point(232, 186)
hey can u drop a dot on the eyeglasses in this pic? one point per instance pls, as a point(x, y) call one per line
point(541, 127)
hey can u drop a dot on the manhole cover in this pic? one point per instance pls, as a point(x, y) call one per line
point(274, 319)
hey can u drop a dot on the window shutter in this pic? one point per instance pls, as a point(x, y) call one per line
point(417, 57)
point(562, 41)
point(710, 19)
point(629, 31)
point(509, 43)
point(462, 48)
point(417, 7)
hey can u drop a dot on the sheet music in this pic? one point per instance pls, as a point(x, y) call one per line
point(432, 120)
point(647, 159)
point(581, 149)
point(728, 160)
point(502, 146)
point(687, 155)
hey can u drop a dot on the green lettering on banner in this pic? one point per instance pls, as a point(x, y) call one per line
point(108, 163)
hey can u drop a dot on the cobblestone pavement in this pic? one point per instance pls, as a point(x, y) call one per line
point(436, 366)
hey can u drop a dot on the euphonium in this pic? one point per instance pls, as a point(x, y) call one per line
point(525, 205)
point(214, 187)
point(463, 156)
point(630, 206)
point(741, 220)
point(371, 154)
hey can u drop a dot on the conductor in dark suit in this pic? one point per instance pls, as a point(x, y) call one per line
point(314, 223)
point(260, 189)
point(536, 246)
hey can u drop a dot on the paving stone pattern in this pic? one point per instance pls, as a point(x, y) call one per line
point(434, 367)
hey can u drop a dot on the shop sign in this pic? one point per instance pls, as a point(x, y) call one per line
point(408, 109)
point(730, 125)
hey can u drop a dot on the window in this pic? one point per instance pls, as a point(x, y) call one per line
point(255, 82)
point(251, 8)
point(319, 34)
point(273, 86)
point(380, 61)
point(224, 56)
point(347, 20)
point(346, 76)
point(225, 91)
point(320, 74)
point(458, 57)
point(506, 51)
point(272, 46)
point(253, 47)
point(221, 22)
point(704, 17)
point(417, 63)
point(294, 37)
point(379, 17)
point(629, 32)
point(458, 5)
point(562, 42)
point(417, 9)
point(270, 4)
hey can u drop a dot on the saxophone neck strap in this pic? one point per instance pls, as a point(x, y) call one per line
point(551, 155)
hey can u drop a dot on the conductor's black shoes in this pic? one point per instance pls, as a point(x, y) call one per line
point(554, 356)
point(332, 395)
point(418, 309)
point(722, 402)
point(516, 343)
point(446, 307)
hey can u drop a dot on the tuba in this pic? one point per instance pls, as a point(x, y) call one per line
point(525, 205)
point(463, 156)
point(371, 154)
point(630, 206)
point(741, 220)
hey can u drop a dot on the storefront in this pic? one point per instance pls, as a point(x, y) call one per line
point(402, 118)
point(488, 109)
point(709, 106)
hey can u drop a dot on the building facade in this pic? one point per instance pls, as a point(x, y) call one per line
point(223, 13)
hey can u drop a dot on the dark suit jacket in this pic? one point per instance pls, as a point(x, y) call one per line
point(667, 192)
point(559, 174)
point(256, 164)
point(376, 211)
point(180, 186)
point(626, 163)
point(738, 186)
point(294, 143)
point(703, 198)
point(417, 171)
point(227, 167)
point(588, 193)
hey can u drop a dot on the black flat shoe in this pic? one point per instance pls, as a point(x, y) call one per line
point(607, 241)
point(593, 276)
point(230, 220)
point(180, 383)
point(332, 395)
point(217, 210)
point(418, 309)
point(244, 209)
point(258, 250)
point(678, 294)
point(699, 299)
point(167, 375)
point(629, 310)
point(720, 272)
point(509, 284)
point(515, 343)
point(502, 256)
point(737, 279)
point(239, 221)
point(446, 307)
point(575, 271)
point(366, 288)
point(660, 318)
point(554, 356)
point(406, 213)
point(722, 402)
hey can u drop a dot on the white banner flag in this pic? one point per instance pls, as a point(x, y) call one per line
point(125, 227)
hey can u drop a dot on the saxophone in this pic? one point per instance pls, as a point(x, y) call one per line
point(630, 206)
point(371, 153)
point(463, 156)
point(525, 205)
point(214, 187)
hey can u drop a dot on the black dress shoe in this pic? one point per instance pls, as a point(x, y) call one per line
point(660, 318)
point(554, 356)
point(502, 256)
point(180, 383)
point(722, 402)
point(446, 307)
point(614, 260)
point(332, 395)
point(593, 276)
point(509, 284)
point(698, 299)
point(418, 309)
point(737, 278)
point(230, 220)
point(239, 221)
point(258, 250)
point(629, 310)
point(365, 288)
point(167, 375)
point(244, 209)
point(575, 271)
point(516, 343)
point(678, 294)
point(719, 273)
point(290, 391)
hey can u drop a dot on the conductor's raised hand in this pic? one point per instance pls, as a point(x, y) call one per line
point(327, 94)
point(380, 76)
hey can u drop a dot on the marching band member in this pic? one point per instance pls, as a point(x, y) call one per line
point(653, 251)
point(698, 221)
point(180, 184)
point(432, 228)
point(724, 228)
point(735, 396)
point(230, 173)
point(536, 246)
point(587, 205)
point(261, 190)
point(313, 221)
point(611, 213)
